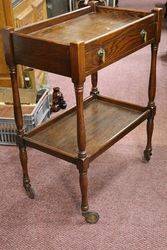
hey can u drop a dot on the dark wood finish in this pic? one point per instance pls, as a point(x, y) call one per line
point(152, 86)
point(10, 60)
point(151, 103)
point(59, 56)
point(121, 103)
point(131, 24)
point(70, 45)
point(102, 19)
point(125, 11)
point(117, 46)
point(98, 114)
point(77, 53)
point(53, 21)
point(83, 180)
point(53, 120)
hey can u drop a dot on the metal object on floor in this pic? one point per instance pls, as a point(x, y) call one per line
point(58, 101)
point(91, 217)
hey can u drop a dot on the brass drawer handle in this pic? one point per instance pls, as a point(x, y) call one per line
point(102, 55)
point(143, 34)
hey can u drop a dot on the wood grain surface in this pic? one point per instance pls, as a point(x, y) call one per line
point(117, 32)
point(103, 120)
point(85, 27)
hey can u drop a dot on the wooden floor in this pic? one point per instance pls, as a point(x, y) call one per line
point(84, 28)
point(103, 121)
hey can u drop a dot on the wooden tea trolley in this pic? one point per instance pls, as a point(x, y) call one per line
point(77, 45)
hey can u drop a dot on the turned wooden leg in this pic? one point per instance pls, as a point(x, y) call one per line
point(90, 216)
point(9, 56)
point(83, 180)
point(83, 160)
point(151, 103)
point(20, 132)
point(26, 181)
point(77, 55)
point(81, 133)
point(94, 80)
point(150, 128)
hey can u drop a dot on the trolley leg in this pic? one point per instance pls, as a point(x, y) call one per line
point(150, 128)
point(91, 217)
point(26, 180)
point(20, 132)
point(83, 160)
point(77, 55)
point(151, 103)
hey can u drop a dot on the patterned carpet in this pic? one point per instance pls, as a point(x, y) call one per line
point(130, 196)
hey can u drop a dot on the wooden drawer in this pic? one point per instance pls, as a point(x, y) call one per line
point(118, 46)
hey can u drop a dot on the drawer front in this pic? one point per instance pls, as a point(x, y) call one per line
point(101, 54)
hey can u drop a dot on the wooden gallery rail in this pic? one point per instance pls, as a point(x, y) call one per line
point(76, 45)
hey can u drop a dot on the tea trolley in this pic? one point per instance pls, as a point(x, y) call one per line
point(76, 45)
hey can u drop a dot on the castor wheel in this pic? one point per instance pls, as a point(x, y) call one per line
point(147, 155)
point(91, 217)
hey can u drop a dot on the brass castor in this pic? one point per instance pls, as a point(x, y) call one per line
point(27, 186)
point(147, 155)
point(91, 217)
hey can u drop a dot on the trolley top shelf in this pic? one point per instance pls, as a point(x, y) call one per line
point(54, 44)
point(83, 25)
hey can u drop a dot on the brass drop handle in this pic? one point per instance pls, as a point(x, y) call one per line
point(102, 55)
point(143, 34)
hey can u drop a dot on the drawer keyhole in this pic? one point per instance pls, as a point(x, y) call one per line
point(143, 34)
point(102, 55)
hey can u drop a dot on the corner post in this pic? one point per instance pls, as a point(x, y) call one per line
point(152, 84)
point(77, 59)
point(9, 56)
point(77, 54)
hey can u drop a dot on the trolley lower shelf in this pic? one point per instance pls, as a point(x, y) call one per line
point(106, 122)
